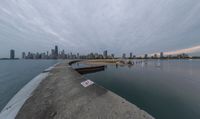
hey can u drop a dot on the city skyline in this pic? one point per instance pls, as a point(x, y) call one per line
point(188, 51)
point(93, 26)
point(57, 53)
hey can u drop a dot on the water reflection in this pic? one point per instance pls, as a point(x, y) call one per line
point(116, 65)
point(129, 66)
point(167, 89)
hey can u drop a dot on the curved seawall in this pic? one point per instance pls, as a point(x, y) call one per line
point(62, 95)
point(14, 105)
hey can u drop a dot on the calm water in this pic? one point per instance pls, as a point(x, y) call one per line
point(165, 89)
point(14, 74)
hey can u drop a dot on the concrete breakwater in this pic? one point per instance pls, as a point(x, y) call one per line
point(61, 96)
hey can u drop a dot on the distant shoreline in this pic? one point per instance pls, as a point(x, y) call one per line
point(9, 59)
point(107, 61)
point(119, 61)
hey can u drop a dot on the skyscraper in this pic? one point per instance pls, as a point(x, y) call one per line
point(78, 56)
point(146, 56)
point(131, 55)
point(113, 55)
point(155, 56)
point(124, 56)
point(23, 55)
point(161, 55)
point(56, 51)
point(105, 54)
point(12, 54)
point(53, 53)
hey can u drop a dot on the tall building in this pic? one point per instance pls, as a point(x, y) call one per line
point(47, 53)
point(161, 55)
point(52, 53)
point(23, 55)
point(12, 54)
point(124, 56)
point(145, 56)
point(105, 54)
point(113, 55)
point(56, 51)
point(155, 56)
point(131, 55)
point(78, 56)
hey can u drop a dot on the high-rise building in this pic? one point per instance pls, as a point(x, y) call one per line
point(12, 54)
point(56, 51)
point(124, 56)
point(53, 55)
point(113, 55)
point(131, 55)
point(146, 56)
point(161, 55)
point(105, 54)
point(23, 55)
point(155, 56)
point(52, 52)
point(78, 56)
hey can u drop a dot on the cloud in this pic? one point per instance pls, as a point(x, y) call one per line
point(120, 26)
point(194, 49)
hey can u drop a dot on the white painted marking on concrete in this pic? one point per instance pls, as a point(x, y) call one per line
point(87, 83)
point(14, 105)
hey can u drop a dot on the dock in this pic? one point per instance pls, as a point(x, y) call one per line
point(61, 96)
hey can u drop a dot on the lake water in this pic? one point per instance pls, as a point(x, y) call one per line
point(14, 74)
point(167, 89)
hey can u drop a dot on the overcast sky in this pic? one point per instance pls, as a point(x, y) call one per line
point(120, 26)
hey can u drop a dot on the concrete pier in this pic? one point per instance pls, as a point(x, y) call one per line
point(61, 96)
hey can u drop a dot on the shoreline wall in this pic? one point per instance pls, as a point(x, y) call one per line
point(17, 101)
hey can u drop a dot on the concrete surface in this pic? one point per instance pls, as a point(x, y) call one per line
point(61, 96)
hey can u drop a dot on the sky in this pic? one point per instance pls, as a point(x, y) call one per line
point(84, 26)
